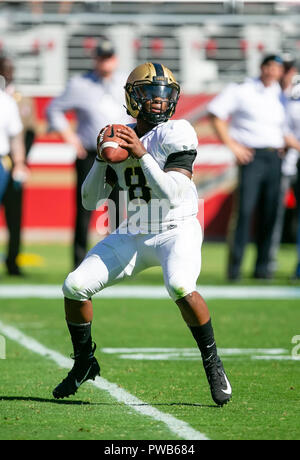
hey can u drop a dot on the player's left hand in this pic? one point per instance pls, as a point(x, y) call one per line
point(131, 142)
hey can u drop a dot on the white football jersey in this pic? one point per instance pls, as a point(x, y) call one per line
point(165, 139)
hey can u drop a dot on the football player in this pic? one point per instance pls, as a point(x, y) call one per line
point(159, 168)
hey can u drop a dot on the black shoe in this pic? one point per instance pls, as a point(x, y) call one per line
point(234, 277)
point(262, 275)
point(85, 368)
point(233, 274)
point(220, 387)
point(14, 270)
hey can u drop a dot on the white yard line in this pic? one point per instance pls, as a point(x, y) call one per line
point(182, 429)
point(221, 351)
point(155, 292)
point(192, 354)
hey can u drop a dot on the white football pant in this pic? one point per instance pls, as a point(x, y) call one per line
point(121, 256)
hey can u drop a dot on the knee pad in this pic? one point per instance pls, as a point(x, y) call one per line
point(73, 288)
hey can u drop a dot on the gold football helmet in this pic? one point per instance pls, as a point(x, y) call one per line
point(147, 82)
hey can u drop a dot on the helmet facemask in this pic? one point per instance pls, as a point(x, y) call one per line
point(155, 92)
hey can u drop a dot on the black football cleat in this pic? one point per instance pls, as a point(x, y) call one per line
point(85, 368)
point(220, 387)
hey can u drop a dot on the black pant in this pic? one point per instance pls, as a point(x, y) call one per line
point(83, 216)
point(259, 187)
point(12, 202)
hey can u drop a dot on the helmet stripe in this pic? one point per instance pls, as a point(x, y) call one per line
point(159, 70)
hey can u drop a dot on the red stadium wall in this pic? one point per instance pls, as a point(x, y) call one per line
point(50, 206)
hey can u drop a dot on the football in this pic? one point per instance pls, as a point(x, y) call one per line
point(108, 145)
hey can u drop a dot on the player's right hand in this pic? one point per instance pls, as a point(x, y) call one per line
point(73, 139)
point(81, 152)
point(244, 155)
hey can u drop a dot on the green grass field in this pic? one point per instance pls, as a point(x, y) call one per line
point(54, 262)
point(266, 392)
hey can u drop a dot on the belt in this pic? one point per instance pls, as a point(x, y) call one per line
point(266, 149)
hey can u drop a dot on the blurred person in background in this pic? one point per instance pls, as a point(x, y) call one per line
point(256, 134)
point(13, 196)
point(289, 172)
point(97, 99)
point(293, 115)
point(297, 272)
point(12, 158)
point(290, 70)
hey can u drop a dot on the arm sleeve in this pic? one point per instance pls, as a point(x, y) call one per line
point(225, 103)
point(95, 187)
point(55, 111)
point(165, 185)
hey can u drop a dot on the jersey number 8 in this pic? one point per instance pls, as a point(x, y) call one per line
point(136, 183)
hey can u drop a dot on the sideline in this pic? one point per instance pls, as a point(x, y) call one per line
point(45, 291)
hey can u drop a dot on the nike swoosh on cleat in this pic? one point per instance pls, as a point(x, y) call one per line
point(79, 383)
point(228, 390)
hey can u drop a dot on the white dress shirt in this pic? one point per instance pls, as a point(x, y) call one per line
point(256, 112)
point(97, 103)
point(10, 122)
